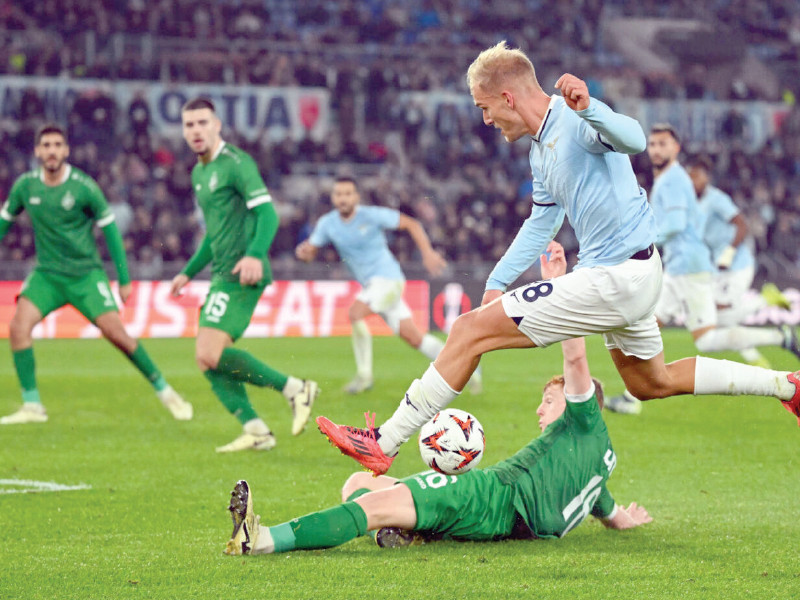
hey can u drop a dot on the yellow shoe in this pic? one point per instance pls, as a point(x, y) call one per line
point(245, 521)
point(301, 404)
point(774, 297)
point(249, 441)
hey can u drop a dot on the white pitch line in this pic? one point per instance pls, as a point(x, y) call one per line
point(31, 486)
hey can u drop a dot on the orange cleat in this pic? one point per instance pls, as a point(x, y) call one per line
point(793, 404)
point(357, 443)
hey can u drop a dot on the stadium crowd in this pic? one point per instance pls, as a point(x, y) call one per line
point(436, 170)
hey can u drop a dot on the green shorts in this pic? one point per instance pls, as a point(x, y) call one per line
point(472, 506)
point(229, 306)
point(90, 293)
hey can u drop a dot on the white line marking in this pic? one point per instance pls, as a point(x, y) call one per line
point(28, 486)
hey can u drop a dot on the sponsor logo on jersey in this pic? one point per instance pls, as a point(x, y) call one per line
point(68, 201)
point(213, 182)
point(35, 200)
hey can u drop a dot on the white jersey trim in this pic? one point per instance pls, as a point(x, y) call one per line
point(259, 200)
point(64, 178)
point(7, 216)
point(105, 221)
point(219, 150)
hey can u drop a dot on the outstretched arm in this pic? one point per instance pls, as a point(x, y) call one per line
point(577, 378)
point(433, 261)
point(306, 251)
point(627, 518)
point(620, 132)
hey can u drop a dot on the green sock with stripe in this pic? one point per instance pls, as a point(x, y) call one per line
point(142, 361)
point(25, 365)
point(232, 395)
point(323, 529)
point(243, 366)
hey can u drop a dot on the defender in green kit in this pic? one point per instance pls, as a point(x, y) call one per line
point(543, 491)
point(64, 204)
point(240, 225)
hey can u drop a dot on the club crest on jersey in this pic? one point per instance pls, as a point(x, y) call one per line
point(68, 201)
point(552, 146)
point(35, 201)
point(213, 182)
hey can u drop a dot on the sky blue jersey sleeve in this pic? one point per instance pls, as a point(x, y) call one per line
point(608, 131)
point(530, 242)
point(319, 235)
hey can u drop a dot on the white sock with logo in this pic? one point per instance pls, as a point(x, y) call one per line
point(425, 397)
point(728, 378)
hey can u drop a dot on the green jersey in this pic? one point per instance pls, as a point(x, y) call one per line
point(62, 217)
point(560, 477)
point(227, 188)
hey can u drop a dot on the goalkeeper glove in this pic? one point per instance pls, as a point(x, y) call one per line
point(726, 257)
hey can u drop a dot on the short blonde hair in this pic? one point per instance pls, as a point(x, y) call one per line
point(498, 65)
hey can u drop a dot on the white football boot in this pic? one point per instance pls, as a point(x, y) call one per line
point(29, 412)
point(180, 408)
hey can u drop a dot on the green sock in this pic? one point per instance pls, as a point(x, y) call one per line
point(323, 529)
point(358, 493)
point(243, 366)
point(142, 361)
point(25, 364)
point(232, 395)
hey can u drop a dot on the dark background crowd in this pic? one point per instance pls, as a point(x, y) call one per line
point(469, 188)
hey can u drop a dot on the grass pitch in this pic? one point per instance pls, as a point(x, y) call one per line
point(719, 476)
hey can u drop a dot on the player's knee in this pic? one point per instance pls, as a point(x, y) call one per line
point(463, 328)
point(18, 331)
point(356, 481)
point(207, 358)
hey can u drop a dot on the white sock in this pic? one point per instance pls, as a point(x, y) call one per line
point(426, 396)
point(630, 396)
point(737, 338)
point(751, 355)
point(256, 427)
point(728, 378)
point(292, 387)
point(264, 542)
point(430, 346)
point(362, 348)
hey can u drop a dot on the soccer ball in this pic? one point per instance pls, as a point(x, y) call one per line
point(452, 442)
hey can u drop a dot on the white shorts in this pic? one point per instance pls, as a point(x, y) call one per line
point(730, 287)
point(688, 299)
point(385, 297)
point(617, 302)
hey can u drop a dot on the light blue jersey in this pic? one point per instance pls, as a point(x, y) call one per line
point(680, 223)
point(361, 241)
point(581, 171)
point(719, 209)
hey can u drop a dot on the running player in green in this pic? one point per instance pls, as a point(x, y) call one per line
point(63, 204)
point(544, 490)
point(240, 225)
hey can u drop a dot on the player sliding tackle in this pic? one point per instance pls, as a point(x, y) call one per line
point(581, 171)
point(544, 490)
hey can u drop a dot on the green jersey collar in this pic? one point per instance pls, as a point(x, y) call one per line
point(64, 178)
